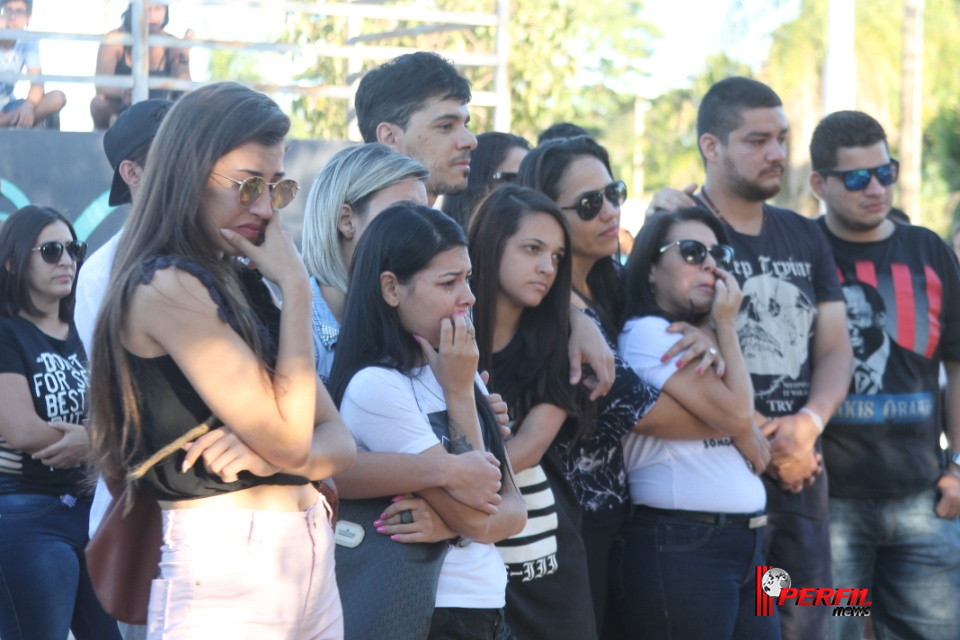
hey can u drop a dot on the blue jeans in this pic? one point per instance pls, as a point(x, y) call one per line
point(44, 587)
point(908, 558)
point(680, 579)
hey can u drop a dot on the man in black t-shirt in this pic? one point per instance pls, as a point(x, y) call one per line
point(791, 326)
point(893, 502)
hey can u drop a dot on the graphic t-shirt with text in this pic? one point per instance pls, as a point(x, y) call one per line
point(784, 273)
point(56, 380)
point(903, 315)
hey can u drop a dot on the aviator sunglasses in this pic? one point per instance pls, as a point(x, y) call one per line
point(281, 193)
point(51, 251)
point(858, 179)
point(590, 203)
point(694, 252)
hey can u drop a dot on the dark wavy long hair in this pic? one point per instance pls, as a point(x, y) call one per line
point(492, 148)
point(545, 329)
point(545, 169)
point(403, 240)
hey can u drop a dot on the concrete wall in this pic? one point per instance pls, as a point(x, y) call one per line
point(69, 172)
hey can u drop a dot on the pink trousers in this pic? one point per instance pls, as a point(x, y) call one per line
point(237, 574)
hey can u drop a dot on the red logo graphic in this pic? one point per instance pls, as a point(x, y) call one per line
point(774, 586)
point(770, 581)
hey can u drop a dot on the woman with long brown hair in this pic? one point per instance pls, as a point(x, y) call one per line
point(189, 333)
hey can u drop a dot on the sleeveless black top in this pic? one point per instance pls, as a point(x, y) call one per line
point(169, 405)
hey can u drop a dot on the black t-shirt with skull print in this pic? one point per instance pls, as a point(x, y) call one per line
point(784, 272)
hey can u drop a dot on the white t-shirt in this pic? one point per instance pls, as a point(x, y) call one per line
point(690, 475)
point(24, 54)
point(387, 411)
point(91, 288)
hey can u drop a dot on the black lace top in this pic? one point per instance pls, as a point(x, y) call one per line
point(169, 406)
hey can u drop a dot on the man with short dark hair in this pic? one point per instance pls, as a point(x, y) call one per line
point(417, 104)
point(125, 144)
point(791, 326)
point(16, 56)
point(894, 501)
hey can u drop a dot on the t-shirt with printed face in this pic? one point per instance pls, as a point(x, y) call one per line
point(56, 379)
point(903, 315)
point(784, 273)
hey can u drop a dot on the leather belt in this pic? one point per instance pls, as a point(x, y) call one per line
point(736, 520)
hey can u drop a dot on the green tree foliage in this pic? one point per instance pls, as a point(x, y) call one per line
point(226, 64)
point(671, 150)
point(571, 61)
point(794, 68)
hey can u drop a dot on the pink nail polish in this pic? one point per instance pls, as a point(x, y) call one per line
point(381, 529)
point(664, 359)
point(679, 363)
point(396, 499)
point(395, 538)
point(378, 523)
point(699, 371)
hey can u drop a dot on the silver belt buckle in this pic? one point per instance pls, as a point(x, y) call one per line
point(757, 521)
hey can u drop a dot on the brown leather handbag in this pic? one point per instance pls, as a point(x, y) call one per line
point(124, 553)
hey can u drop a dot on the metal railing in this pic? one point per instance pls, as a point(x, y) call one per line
point(355, 52)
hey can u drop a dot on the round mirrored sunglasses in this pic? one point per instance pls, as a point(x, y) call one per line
point(282, 193)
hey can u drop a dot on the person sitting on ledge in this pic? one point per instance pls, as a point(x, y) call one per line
point(15, 56)
point(117, 60)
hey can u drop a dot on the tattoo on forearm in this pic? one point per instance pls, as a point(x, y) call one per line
point(458, 439)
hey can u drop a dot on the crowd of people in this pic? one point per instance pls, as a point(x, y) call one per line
point(41, 109)
point(528, 439)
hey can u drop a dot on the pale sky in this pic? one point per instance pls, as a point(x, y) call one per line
point(692, 29)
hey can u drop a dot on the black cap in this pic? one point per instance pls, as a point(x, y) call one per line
point(133, 128)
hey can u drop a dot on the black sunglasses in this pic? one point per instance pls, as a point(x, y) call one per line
point(504, 176)
point(695, 252)
point(858, 179)
point(281, 193)
point(590, 203)
point(51, 251)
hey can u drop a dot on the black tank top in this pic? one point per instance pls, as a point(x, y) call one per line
point(165, 71)
point(169, 405)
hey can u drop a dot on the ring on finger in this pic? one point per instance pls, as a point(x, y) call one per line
point(712, 351)
point(406, 517)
